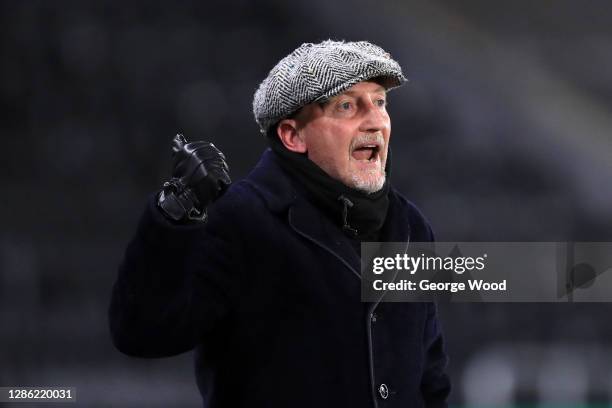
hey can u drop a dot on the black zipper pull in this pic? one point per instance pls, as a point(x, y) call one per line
point(346, 204)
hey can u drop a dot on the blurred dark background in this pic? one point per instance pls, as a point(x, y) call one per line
point(503, 133)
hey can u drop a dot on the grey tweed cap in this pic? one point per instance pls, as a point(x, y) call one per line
point(316, 72)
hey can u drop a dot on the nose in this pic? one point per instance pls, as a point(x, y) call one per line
point(375, 117)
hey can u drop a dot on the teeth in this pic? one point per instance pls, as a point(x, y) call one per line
point(372, 146)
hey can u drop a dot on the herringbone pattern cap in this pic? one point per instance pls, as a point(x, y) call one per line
point(316, 72)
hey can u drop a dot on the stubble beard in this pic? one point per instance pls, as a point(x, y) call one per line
point(370, 182)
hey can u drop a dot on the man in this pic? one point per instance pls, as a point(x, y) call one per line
point(265, 282)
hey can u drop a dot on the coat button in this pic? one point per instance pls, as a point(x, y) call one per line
point(383, 391)
point(373, 317)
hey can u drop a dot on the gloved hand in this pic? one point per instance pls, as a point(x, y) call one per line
point(199, 177)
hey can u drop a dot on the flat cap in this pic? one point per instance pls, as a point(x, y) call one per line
point(316, 72)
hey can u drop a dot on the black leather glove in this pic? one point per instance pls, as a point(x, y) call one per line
point(199, 177)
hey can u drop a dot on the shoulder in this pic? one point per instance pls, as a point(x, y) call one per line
point(420, 227)
point(240, 198)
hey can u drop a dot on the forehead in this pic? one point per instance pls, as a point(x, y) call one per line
point(363, 87)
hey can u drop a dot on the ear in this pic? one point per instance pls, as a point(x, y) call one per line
point(289, 135)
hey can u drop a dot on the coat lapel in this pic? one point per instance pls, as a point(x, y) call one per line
point(277, 190)
point(280, 196)
point(309, 223)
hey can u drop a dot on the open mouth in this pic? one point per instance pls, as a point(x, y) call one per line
point(366, 152)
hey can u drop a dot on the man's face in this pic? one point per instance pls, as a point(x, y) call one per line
point(348, 136)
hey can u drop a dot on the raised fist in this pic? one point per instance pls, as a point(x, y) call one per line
point(199, 177)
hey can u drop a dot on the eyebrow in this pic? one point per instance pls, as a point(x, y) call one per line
point(323, 104)
point(377, 90)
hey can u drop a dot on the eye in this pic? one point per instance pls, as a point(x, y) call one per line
point(381, 102)
point(345, 106)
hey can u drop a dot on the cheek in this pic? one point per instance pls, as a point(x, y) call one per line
point(328, 155)
point(327, 143)
point(337, 152)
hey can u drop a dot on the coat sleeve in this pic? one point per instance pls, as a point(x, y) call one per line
point(175, 284)
point(435, 383)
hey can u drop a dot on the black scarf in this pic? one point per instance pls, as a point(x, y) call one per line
point(360, 214)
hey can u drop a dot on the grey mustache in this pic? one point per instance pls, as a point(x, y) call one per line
point(367, 138)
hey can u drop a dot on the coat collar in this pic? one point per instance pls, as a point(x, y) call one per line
point(271, 182)
point(278, 192)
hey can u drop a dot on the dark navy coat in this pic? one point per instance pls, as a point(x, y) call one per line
point(268, 292)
